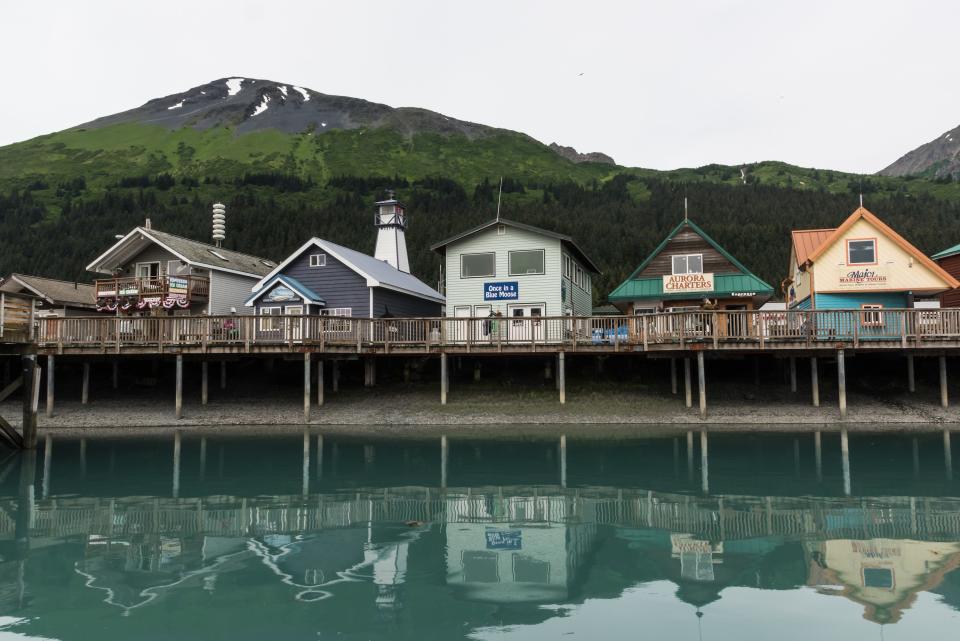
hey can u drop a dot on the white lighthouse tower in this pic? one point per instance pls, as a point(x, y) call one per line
point(391, 222)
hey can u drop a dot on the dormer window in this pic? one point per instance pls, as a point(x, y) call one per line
point(862, 251)
point(318, 260)
point(687, 264)
point(219, 255)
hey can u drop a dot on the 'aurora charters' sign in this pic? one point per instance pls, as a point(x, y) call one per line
point(687, 283)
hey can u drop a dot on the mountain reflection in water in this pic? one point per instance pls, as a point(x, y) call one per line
point(312, 537)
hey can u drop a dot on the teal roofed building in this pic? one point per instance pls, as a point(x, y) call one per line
point(687, 271)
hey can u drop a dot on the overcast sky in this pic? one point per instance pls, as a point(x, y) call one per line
point(834, 84)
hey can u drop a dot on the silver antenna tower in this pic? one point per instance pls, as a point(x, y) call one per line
point(499, 195)
point(685, 217)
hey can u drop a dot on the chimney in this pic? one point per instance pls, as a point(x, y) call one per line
point(391, 224)
point(147, 225)
point(219, 223)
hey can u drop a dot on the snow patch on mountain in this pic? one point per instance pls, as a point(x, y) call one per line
point(176, 106)
point(303, 92)
point(262, 106)
point(233, 86)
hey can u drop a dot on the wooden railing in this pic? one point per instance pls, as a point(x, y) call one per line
point(16, 318)
point(703, 329)
point(152, 286)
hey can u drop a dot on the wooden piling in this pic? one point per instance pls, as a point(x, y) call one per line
point(845, 459)
point(702, 385)
point(686, 382)
point(178, 402)
point(444, 456)
point(911, 383)
point(690, 455)
point(50, 384)
point(307, 394)
point(562, 377)
point(335, 383)
point(176, 464)
point(818, 454)
point(204, 386)
point(563, 460)
point(947, 454)
point(320, 383)
point(47, 464)
point(814, 381)
point(85, 385)
point(842, 383)
point(31, 399)
point(443, 379)
point(673, 376)
point(319, 456)
point(944, 397)
point(305, 489)
point(704, 472)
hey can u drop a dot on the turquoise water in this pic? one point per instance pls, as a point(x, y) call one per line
point(260, 538)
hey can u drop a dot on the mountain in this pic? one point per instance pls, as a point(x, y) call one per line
point(939, 158)
point(290, 162)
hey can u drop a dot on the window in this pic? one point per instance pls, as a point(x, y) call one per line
point(566, 266)
point(871, 316)
point(318, 260)
point(340, 313)
point(878, 578)
point(148, 270)
point(269, 324)
point(688, 264)
point(501, 230)
point(526, 262)
point(643, 311)
point(337, 311)
point(578, 276)
point(862, 252)
point(477, 265)
point(219, 255)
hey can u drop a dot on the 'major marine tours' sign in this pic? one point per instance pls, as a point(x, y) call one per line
point(861, 278)
point(687, 283)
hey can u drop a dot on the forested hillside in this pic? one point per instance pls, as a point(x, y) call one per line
point(55, 230)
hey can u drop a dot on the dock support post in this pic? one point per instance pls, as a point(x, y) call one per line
point(305, 490)
point(704, 473)
point(204, 387)
point(947, 454)
point(31, 399)
point(793, 374)
point(818, 454)
point(85, 385)
point(842, 383)
point(444, 455)
point(336, 377)
point(476, 371)
point(50, 384)
point(686, 382)
point(179, 387)
point(48, 461)
point(306, 387)
point(319, 456)
point(115, 374)
point(443, 379)
point(815, 381)
point(563, 460)
point(176, 464)
point(673, 376)
point(845, 456)
point(690, 455)
point(562, 378)
point(369, 372)
point(911, 382)
point(320, 383)
point(944, 398)
point(702, 385)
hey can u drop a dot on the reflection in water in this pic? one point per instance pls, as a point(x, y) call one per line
point(524, 539)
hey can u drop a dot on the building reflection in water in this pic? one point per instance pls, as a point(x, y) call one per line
point(520, 545)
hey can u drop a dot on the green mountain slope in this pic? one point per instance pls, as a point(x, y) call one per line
point(291, 162)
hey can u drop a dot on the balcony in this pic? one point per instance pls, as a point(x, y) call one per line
point(186, 288)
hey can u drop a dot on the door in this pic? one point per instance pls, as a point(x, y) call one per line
point(295, 325)
point(148, 278)
point(481, 328)
point(526, 324)
point(457, 330)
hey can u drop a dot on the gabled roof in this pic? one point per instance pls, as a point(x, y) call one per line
point(696, 228)
point(55, 292)
point(563, 238)
point(307, 294)
point(806, 241)
point(952, 251)
point(377, 273)
point(190, 251)
point(862, 213)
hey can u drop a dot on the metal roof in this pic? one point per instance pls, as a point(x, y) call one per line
point(947, 252)
point(378, 273)
point(723, 285)
point(563, 238)
point(807, 241)
point(57, 292)
point(307, 294)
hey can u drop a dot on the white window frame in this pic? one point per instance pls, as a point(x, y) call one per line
point(686, 263)
point(318, 260)
point(871, 315)
point(136, 270)
point(566, 266)
point(872, 241)
point(543, 254)
point(287, 310)
point(338, 325)
point(493, 274)
point(265, 314)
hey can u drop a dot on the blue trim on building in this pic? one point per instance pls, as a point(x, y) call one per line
point(308, 295)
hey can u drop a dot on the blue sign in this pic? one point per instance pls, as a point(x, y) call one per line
point(509, 290)
point(503, 539)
